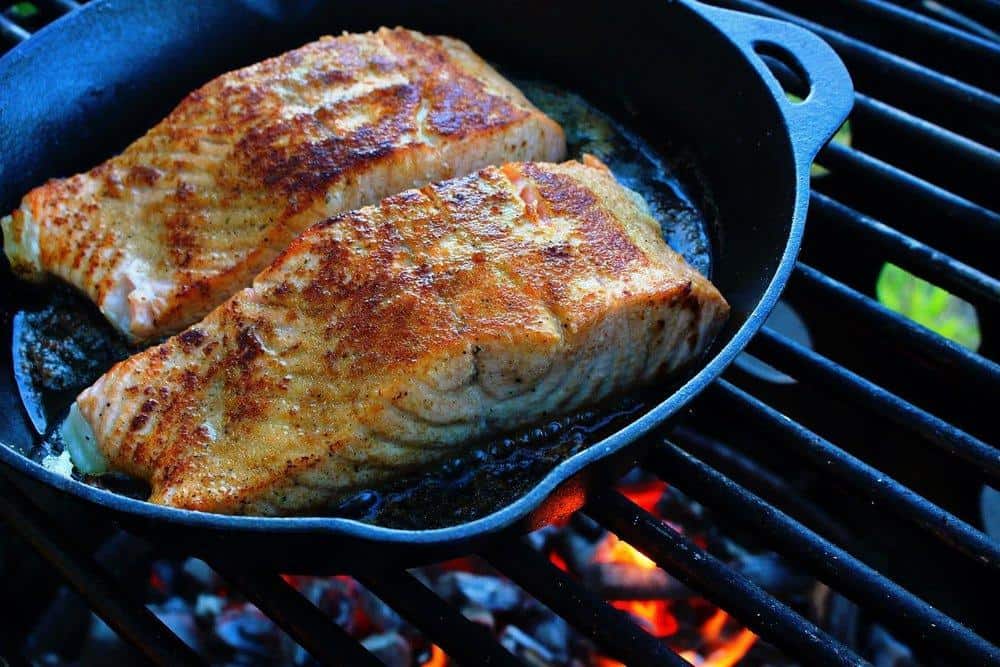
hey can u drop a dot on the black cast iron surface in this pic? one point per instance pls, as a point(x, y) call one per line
point(62, 344)
point(712, 93)
point(877, 395)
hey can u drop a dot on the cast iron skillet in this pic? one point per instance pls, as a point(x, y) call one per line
point(82, 88)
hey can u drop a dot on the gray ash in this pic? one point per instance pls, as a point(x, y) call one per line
point(226, 629)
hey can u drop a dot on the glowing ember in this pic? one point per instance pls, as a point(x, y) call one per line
point(654, 614)
point(719, 647)
point(724, 652)
point(691, 657)
point(558, 561)
point(646, 494)
point(614, 550)
point(731, 653)
point(607, 662)
point(705, 636)
point(713, 626)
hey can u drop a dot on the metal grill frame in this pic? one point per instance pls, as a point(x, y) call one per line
point(941, 115)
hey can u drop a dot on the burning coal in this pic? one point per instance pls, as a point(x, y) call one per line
point(226, 629)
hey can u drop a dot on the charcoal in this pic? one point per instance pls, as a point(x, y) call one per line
point(63, 627)
point(191, 599)
point(488, 592)
point(840, 617)
point(886, 651)
point(247, 630)
point(526, 648)
point(208, 606)
point(621, 581)
point(540, 539)
point(479, 615)
point(556, 635)
point(587, 527)
point(389, 647)
point(298, 655)
point(381, 615)
point(102, 647)
point(200, 572)
point(635, 477)
point(576, 551)
point(176, 614)
point(163, 578)
point(774, 574)
point(335, 597)
point(674, 506)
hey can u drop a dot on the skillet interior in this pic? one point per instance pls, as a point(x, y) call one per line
point(63, 344)
point(80, 89)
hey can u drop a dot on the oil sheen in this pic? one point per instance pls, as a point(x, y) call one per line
point(63, 345)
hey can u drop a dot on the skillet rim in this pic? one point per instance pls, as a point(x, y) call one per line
point(521, 508)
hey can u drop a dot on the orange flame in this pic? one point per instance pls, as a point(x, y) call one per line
point(732, 652)
point(712, 628)
point(656, 613)
point(691, 657)
point(613, 550)
point(602, 661)
point(725, 651)
point(437, 659)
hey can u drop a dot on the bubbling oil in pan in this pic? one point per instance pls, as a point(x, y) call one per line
point(64, 345)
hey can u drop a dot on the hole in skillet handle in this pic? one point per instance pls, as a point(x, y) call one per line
point(786, 68)
point(764, 42)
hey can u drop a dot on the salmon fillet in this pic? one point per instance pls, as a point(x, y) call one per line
point(385, 338)
point(189, 213)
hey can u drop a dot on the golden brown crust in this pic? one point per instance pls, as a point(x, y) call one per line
point(191, 211)
point(383, 338)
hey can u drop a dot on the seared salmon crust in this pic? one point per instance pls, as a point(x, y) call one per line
point(385, 338)
point(189, 213)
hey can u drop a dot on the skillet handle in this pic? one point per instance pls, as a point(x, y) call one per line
point(814, 120)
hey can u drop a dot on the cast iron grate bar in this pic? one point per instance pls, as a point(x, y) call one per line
point(948, 357)
point(895, 16)
point(127, 617)
point(897, 607)
point(612, 629)
point(943, 270)
point(956, 162)
point(964, 164)
point(804, 364)
point(463, 640)
point(955, 104)
point(949, 101)
point(973, 16)
point(762, 481)
point(950, 44)
point(732, 591)
point(10, 32)
point(869, 481)
point(304, 622)
point(972, 218)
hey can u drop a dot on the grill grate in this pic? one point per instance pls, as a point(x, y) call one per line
point(932, 131)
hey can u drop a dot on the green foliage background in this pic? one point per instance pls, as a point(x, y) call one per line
point(915, 298)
